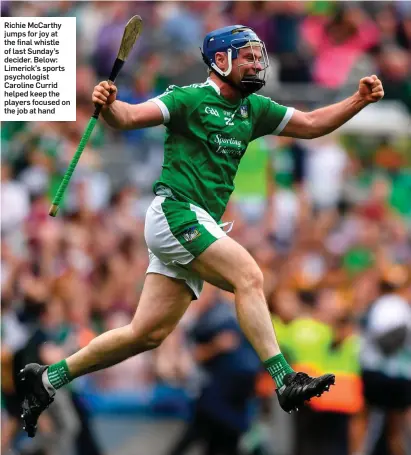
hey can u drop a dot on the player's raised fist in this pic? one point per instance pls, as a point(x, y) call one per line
point(104, 93)
point(371, 89)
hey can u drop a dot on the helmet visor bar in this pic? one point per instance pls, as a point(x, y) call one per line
point(260, 62)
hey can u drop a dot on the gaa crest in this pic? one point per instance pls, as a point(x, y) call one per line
point(244, 111)
point(191, 234)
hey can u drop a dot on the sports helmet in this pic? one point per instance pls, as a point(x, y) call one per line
point(230, 40)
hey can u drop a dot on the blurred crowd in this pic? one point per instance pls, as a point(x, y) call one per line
point(328, 221)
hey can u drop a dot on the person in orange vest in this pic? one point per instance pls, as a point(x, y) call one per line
point(323, 338)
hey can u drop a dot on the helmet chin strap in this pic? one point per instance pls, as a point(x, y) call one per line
point(248, 85)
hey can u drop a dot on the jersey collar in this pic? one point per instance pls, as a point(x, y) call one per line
point(214, 85)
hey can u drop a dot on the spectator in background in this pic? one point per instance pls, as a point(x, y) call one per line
point(393, 21)
point(222, 411)
point(397, 245)
point(145, 85)
point(375, 208)
point(285, 307)
point(326, 165)
point(14, 336)
point(14, 201)
point(321, 337)
point(404, 29)
point(108, 38)
point(90, 20)
point(361, 255)
point(338, 43)
point(386, 21)
point(339, 412)
point(286, 169)
point(285, 19)
point(250, 196)
point(386, 370)
point(252, 14)
point(60, 426)
point(84, 83)
point(183, 26)
point(35, 176)
point(394, 66)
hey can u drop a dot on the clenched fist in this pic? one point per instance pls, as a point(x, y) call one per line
point(370, 89)
point(104, 93)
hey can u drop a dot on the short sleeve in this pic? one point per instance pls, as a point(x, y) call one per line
point(270, 117)
point(172, 103)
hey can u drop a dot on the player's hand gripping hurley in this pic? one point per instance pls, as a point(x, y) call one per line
point(131, 33)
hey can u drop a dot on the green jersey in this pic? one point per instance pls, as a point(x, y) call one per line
point(206, 137)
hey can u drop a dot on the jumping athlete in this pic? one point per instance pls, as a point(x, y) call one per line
point(208, 128)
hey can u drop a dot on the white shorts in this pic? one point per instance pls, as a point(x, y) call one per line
point(176, 233)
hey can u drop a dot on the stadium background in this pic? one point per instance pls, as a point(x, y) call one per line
point(328, 221)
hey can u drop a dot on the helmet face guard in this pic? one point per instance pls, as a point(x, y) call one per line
point(231, 40)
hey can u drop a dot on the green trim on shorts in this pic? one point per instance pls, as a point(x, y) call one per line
point(185, 227)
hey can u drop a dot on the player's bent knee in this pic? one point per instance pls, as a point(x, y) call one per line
point(250, 280)
point(156, 337)
point(150, 339)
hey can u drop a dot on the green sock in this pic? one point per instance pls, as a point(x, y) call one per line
point(58, 374)
point(278, 367)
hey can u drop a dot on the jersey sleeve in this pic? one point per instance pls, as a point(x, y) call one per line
point(270, 117)
point(173, 104)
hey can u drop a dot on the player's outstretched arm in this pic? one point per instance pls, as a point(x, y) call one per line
point(309, 125)
point(125, 116)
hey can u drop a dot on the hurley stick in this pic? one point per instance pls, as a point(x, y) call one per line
point(130, 35)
